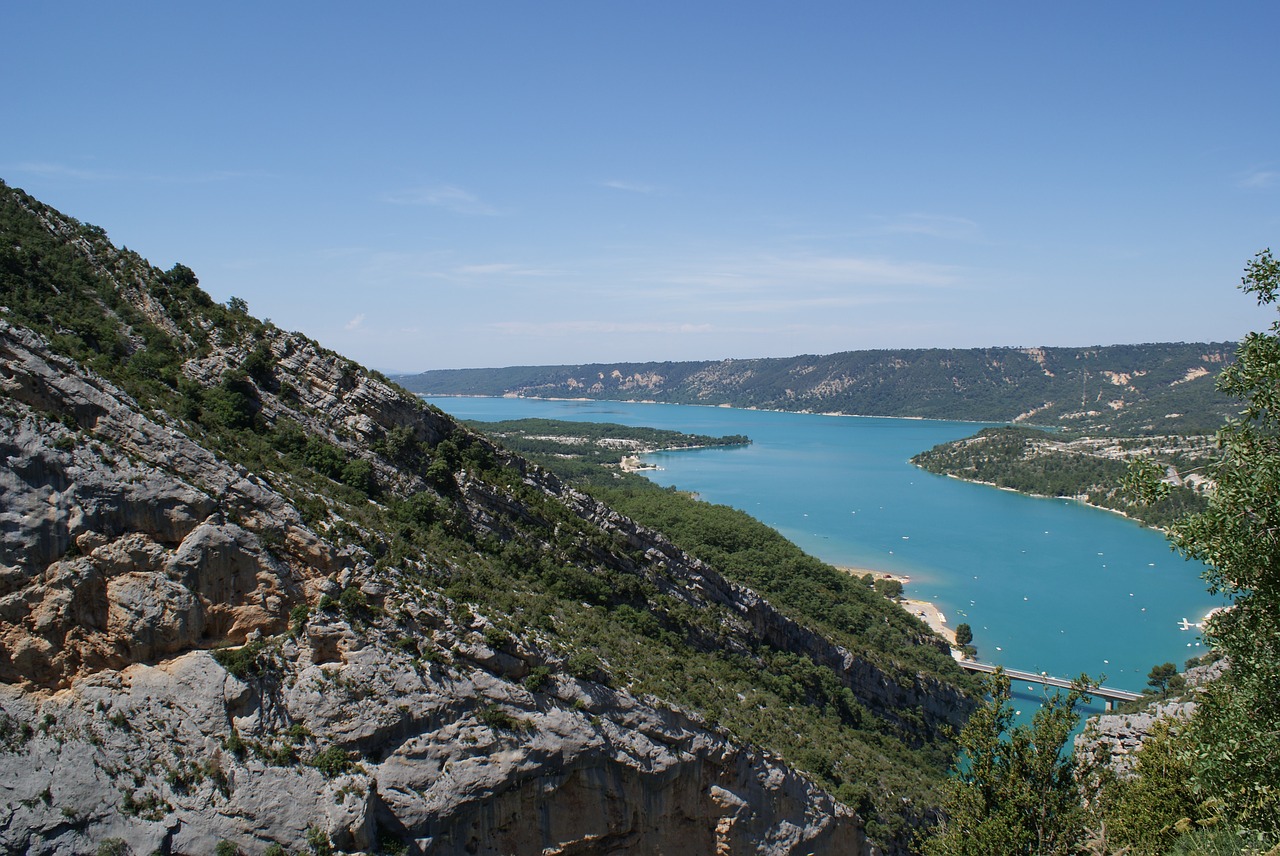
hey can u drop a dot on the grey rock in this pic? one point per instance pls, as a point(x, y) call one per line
point(128, 551)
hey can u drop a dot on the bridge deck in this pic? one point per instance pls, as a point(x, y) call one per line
point(1108, 693)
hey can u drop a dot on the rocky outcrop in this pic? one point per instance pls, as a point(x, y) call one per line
point(117, 543)
point(121, 561)
point(193, 652)
point(177, 756)
point(1115, 738)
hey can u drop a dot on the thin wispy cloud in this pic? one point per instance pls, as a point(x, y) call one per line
point(794, 274)
point(64, 171)
point(501, 269)
point(355, 323)
point(933, 226)
point(43, 168)
point(591, 327)
point(446, 196)
point(1259, 179)
point(631, 187)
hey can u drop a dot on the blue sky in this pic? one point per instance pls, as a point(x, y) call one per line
point(435, 185)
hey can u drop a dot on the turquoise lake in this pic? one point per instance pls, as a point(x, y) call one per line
point(1048, 585)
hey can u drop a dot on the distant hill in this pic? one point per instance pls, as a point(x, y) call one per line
point(1131, 389)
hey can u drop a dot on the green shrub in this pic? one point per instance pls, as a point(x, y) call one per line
point(354, 603)
point(318, 841)
point(251, 660)
point(235, 744)
point(537, 679)
point(583, 665)
point(499, 720)
point(331, 762)
point(358, 473)
point(1211, 842)
point(298, 618)
point(496, 637)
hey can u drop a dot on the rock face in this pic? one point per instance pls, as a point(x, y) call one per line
point(117, 568)
point(446, 759)
point(191, 652)
point(111, 554)
point(1119, 735)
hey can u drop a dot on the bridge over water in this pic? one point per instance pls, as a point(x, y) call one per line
point(1110, 694)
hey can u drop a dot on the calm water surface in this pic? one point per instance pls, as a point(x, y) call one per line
point(1047, 584)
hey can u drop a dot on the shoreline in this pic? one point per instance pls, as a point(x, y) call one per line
point(925, 610)
point(837, 413)
point(1076, 499)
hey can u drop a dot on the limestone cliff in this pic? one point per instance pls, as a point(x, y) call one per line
point(244, 601)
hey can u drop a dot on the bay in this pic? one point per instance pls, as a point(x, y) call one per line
point(1048, 585)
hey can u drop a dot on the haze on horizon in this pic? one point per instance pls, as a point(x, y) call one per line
point(436, 185)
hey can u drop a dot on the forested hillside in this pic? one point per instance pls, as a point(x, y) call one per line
point(1120, 389)
point(1089, 469)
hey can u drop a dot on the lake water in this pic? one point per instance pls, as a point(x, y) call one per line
point(1048, 585)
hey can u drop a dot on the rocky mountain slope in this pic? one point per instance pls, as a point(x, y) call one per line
point(253, 593)
point(1155, 388)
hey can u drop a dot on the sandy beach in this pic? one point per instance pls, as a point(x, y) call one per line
point(633, 464)
point(922, 609)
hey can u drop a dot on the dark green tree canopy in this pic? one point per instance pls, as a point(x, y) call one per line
point(1237, 725)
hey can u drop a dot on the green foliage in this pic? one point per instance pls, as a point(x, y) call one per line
point(149, 807)
point(355, 605)
point(1014, 790)
point(1237, 723)
point(332, 762)
point(235, 744)
point(889, 588)
point(1045, 464)
point(496, 637)
point(226, 848)
point(1233, 740)
point(231, 404)
point(358, 473)
point(964, 634)
point(252, 660)
point(1216, 842)
point(259, 364)
point(499, 719)
point(749, 552)
point(537, 679)
point(113, 847)
point(1147, 812)
point(318, 841)
point(1143, 482)
point(1165, 677)
point(583, 665)
point(298, 618)
point(593, 442)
